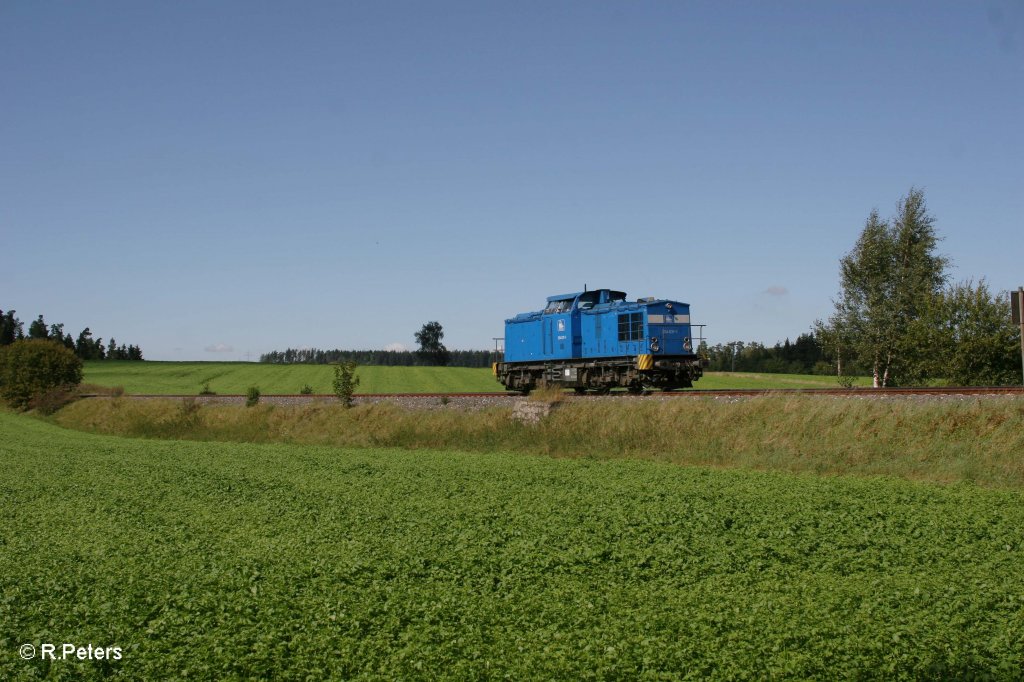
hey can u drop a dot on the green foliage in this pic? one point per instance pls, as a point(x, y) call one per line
point(38, 329)
point(887, 279)
point(206, 390)
point(89, 348)
point(11, 328)
point(57, 334)
point(970, 338)
point(123, 352)
point(86, 348)
point(50, 401)
point(33, 367)
point(306, 390)
point(799, 357)
point(386, 358)
point(441, 565)
point(252, 396)
point(345, 382)
point(898, 319)
point(432, 351)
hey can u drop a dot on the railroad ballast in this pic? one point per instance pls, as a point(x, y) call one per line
point(597, 340)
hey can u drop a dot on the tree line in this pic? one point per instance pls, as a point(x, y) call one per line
point(389, 358)
point(803, 356)
point(85, 346)
point(899, 319)
point(431, 353)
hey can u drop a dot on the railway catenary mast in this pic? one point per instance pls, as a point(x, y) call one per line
point(597, 340)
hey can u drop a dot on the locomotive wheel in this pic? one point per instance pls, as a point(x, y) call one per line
point(580, 390)
point(635, 388)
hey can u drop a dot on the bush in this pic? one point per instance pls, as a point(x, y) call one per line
point(252, 396)
point(306, 390)
point(206, 389)
point(345, 382)
point(32, 367)
point(52, 400)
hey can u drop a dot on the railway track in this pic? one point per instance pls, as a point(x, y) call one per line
point(849, 392)
point(860, 392)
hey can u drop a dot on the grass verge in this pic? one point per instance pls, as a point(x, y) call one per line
point(977, 440)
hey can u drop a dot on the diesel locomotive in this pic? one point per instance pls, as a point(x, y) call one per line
point(597, 340)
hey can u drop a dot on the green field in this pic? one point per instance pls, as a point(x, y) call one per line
point(185, 378)
point(240, 561)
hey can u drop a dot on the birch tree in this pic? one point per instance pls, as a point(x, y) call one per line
point(889, 278)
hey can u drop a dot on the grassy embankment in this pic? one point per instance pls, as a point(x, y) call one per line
point(187, 378)
point(237, 561)
point(979, 440)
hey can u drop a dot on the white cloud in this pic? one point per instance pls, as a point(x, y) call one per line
point(219, 348)
point(398, 347)
point(776, 290)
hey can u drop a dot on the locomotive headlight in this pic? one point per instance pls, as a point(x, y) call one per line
point(686, 343)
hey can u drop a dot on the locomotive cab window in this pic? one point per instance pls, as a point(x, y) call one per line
point(631, 327)
point(558, 306)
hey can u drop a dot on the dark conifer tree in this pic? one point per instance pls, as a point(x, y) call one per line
point(37, 330)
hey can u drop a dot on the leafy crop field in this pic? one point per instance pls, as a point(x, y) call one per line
point(184, 378)
point(237, 561)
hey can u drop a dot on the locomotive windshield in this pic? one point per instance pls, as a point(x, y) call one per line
point(558, 306)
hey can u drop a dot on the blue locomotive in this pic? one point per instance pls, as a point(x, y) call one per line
point(597, 340)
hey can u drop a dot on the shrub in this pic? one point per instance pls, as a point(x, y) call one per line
point(306, 390)
point(252, 396)
point(52, 400)
point(345, 382)
point(186, 418)
point(89, 390)
point(33, 367)
point(206, 389)
point(548, 393)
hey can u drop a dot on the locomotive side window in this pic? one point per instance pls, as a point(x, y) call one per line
point(631, 327)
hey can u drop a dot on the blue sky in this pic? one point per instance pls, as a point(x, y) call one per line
point(192, 176)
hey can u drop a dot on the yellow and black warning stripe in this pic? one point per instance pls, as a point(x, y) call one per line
point(645, 362)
